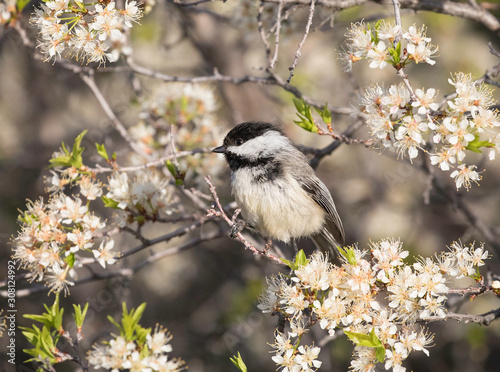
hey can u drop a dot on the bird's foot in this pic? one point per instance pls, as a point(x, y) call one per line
point(236, 228)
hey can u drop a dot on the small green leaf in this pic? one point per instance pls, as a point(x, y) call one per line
point(20, 4)
point(326, 115)
point(380, 354)
point(476, 276)
point(238, 362)
point(39, 318)
point(109, 203)
point(101, 150)
point(299, 105)
point(31, 334)
point(60, 161)
point(78, 141)
point(141, 335)
point(301, 259)
point(174, 171)
point(289, 263)
point(171, 168)
point(348, 254)
point(362, 339)
point(476, 144)
point(79, 315)
point(70, 259)
point(115, 323)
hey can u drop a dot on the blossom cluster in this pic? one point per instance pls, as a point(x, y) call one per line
point(145, 196)
point(382, 45)
point(95, 32)
point(462, 127)
point(54, 237)
point(120, 354)
point(373, 295)
point(180, 117)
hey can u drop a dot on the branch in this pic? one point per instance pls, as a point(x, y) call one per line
point(230, 222)
point(302, 42)
point(484, 319)
point(277, 36)
point(126, 272)
point(88, 78)
point(155, 163)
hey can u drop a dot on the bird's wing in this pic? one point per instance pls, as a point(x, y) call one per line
point(320, 194)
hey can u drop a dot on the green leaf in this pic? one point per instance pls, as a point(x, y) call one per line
point(141, 335)
point(46, 340)
point(362, 339)
point(348, 254)
point(305, 115)
point(174, 171)
point(300, 105)
point(109, 203)
point(238, 362)
point(129, 327)
point(78, 141)
point(326, 115)
point(79, 315)
point(116, 324)
point(476, 144)
point(476, 276)
point(38, 318)
point(60, 161)
point(380, 354)
point(70, 260)
point(20, 4)
point(101, 150)
point(289, 263)
point(31, 334)
point(73, 158)
point(301, 259)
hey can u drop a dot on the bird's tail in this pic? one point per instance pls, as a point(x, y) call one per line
point(326, 243)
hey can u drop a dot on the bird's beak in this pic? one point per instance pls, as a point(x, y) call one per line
point(220, 150)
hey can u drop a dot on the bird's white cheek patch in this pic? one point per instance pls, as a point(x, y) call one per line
point(266, 145)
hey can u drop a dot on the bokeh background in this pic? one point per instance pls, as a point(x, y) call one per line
point(207, 296)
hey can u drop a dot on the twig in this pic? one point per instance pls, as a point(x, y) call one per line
point(304, 37)
point(397, 16)
point(262, 33)
point(220, 213)
point(152, 164)
point(274, 60)
point(88, 79)
point(484, 319)
point(126, 272)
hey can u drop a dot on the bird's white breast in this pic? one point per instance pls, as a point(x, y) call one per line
point(280, 209)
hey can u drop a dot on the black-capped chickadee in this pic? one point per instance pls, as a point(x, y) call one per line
point(276, 188)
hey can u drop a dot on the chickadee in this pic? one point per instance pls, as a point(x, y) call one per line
point(276, 188)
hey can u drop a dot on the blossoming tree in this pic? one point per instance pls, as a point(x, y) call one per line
point(148, 192)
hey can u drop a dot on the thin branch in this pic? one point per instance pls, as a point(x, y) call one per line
point(484, 319)
point(126, 272)
point(274, 60)
point(230, 221)
point(152, 164)
point(88, 78)
point(397, 16)
point(298, 52)
point(262, 33)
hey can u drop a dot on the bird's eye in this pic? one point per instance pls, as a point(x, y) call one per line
point(239, 141)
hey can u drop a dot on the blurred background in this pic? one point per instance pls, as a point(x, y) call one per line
point(207, 296)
